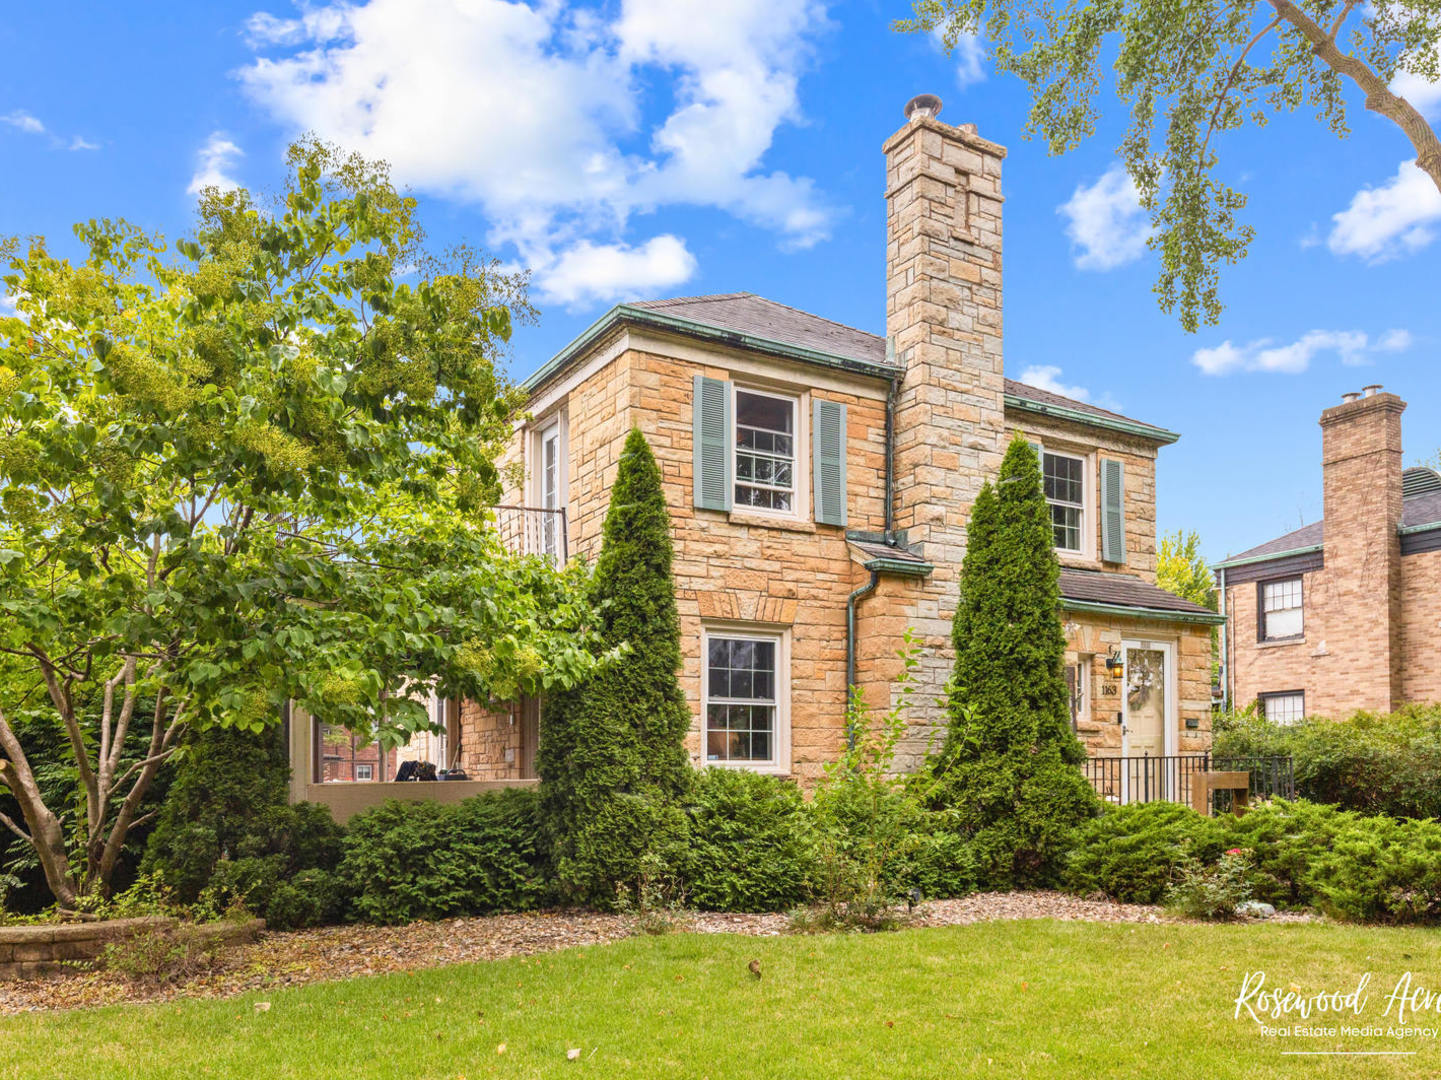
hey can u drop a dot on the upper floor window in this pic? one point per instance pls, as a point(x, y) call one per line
point(765, 449)
point(1281, 611)
point(1285, 708)
point(1064, 479)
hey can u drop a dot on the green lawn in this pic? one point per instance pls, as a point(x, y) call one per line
point(1035, 999)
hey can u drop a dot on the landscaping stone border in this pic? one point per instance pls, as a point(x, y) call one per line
point(30, 952)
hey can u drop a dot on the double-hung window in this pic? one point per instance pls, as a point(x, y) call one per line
point(765, 450)
point(1064, 479)
point(1285, 708)
point(1281, 610)
point(743, 686)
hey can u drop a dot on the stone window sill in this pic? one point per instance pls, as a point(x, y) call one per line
point(1281, 643)
point(770, 521)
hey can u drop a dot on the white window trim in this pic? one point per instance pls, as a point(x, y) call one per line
point(1263, 615)
point(1085, 673)
point(1264, 698)
point(1090, 515)
point(780, 764)
point(801, 509)
point(368, 768)
point(542, 431)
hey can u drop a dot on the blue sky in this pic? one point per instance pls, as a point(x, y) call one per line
point(654, 147)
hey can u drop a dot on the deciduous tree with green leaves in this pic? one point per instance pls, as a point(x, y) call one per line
point(260, 468)
point(1190, 73)
point(1181, 569)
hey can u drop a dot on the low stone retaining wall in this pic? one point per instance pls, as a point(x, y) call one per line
point(30, 952)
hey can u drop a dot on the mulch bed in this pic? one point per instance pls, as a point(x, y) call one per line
point(343, 952)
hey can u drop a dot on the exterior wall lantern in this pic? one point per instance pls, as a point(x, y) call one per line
point(1115, 665)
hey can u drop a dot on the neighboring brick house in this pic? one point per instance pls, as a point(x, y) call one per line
point(819, 478)
point(1344, 613)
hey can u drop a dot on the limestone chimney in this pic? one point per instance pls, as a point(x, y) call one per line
point(1361, 475)
point(943, 324)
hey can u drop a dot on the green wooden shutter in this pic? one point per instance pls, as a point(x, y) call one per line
point(1113, 511)
point(712, 433)
point(828, 461)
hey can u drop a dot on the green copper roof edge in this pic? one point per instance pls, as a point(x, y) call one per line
point(1113, 423)
point(706, 332)
point(1160, 614)
point(1425, 526)
point(900, 566)
point(1229, 563)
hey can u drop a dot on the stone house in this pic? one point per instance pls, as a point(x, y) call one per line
point(819, 479)
point(1344, 613)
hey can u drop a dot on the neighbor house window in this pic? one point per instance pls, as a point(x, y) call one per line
point(1064, 478)
point(1287, 708)
point(1281, 617)
point(743, 697)
point(365, 772)
point(765, 443)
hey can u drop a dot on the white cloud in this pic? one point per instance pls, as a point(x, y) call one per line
point(79, 142)
point(1421, 92)
point(1106, 222)
point(23, 121)
point(1048, 377)
point(1353, 347)
point(213, 164)
point(537, 113)
point(588, 272)
point(1385, 222)
point(969, 54)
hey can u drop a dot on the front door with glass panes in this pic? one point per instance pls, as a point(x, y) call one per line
point(1148, 720)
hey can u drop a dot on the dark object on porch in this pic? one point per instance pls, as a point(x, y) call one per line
point(414, 770)
point(1170, 777)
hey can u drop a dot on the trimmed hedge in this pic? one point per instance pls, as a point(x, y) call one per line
point(753, 844)
point(1285, 840)
point(1382, 870)
point(1371, 762)
point(1134, 853)
point(405, 861)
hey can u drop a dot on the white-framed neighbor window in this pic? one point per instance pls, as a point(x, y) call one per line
point(365, 772)
point(767, 432)
point(745, 691)
point(1284, 708)
point(1282, 617)
point(1064, 478)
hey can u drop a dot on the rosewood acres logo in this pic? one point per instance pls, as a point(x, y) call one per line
point(1342, 1022)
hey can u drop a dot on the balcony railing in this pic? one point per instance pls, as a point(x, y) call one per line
point(1168, 778)
point(533, 530)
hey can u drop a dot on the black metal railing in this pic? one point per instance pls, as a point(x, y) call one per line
point(533, 530)
point(1169, 777)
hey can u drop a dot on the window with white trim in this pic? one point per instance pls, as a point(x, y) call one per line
point(743, 698)
point(365, 772)
point(1285, 708)
point(765, 450)
point(550, 486)
point(1064, 478)
point(1281, 610)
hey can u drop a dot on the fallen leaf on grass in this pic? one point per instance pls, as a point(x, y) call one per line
point(262, 1006)
point(571, 1055)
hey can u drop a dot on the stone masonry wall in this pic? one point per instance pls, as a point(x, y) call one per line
point(943, 322)
point(1421, 626)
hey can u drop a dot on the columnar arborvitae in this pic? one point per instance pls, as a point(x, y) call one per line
point(612, 758)
point(1008, 769)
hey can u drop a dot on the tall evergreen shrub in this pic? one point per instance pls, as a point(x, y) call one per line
point(612, 757)
point(1008, 771)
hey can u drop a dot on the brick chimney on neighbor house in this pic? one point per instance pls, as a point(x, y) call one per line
point(943, 327)
point(1361, 475)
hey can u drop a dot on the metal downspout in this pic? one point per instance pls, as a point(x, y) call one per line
point(855, 598)
point(1225, 645)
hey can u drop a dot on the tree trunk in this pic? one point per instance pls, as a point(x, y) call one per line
point(1379, 98)
point(46, 835)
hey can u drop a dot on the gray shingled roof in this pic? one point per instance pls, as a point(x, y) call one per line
point(747, 313)
point(885, 551)
point(1424, 509)
point(1122, 590)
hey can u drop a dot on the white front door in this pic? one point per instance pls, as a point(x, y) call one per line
point(1148, 723)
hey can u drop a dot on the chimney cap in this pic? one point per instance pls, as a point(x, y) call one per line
point(1370, 391)
point(1350, 395)
point(922, 106)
